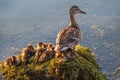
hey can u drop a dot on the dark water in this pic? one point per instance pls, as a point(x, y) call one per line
point(31, 21)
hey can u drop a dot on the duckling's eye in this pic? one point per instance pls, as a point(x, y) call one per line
point(76, 9)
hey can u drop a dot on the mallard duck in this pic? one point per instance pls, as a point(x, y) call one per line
point(70, 36)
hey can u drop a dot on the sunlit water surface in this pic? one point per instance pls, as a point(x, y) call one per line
point(31, 21)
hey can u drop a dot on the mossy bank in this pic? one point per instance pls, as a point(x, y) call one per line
point(81, 67)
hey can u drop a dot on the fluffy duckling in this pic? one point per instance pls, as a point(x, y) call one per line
point(14, 59)
point(39, 45)
point(44, 46)
point(31, 47)
point(60, 56)
point(38, 53)
point(65, 55)
point(10, 61)
point(46, 55)
point(28, 52)
point(117, 71)
point(50, 47)
point(70, 53)
point(70, 36)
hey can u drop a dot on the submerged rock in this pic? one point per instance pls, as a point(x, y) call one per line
point(80, 67)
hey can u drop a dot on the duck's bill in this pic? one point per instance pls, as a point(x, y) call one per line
point(82, 12)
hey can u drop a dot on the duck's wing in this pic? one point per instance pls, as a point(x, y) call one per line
point(68, 36)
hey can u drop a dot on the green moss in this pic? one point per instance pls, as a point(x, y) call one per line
point(82, 67)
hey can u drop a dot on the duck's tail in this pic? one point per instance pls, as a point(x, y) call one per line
point(60, 48)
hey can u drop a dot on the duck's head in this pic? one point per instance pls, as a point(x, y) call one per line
point(75, 9)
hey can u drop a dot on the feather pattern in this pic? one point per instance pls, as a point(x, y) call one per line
point(70, 36)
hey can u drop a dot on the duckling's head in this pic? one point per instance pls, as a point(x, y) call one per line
point(13, 58)
point(75, 9)
point(49, 45)
point(44, 46)
point(39, 45)
point(30, 46)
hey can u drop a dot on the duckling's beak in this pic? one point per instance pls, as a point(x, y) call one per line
point(82, 12)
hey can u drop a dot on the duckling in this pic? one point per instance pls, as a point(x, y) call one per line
point(44, 46)
point(39, 45)
point(70, 36)
point(70, 53)
point(60, 56)
point(117, 71)
point(50, 47)
point(8, 62)
point(12, 60)
point(46, 55)
point(30, 46)
point(65, 55)
point(38, 53)
point(27, 52)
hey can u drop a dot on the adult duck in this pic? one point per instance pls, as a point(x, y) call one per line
point(70, 36)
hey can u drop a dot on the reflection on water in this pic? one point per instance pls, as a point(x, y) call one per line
point(30, 21)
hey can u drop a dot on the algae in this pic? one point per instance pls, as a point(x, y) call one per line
point(82, 67)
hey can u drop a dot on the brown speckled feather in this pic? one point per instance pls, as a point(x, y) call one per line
point(68, 37)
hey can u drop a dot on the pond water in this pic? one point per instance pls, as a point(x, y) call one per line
point(31, 21)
